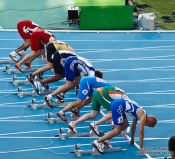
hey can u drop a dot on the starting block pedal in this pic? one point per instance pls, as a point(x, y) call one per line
point(53, 120)
point(63, 135)
point(20, 92)
point(16, 82)
point(9, 70)
point(34, 105)
point(79, 152)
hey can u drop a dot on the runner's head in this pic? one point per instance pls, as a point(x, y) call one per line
point(98, 74)
point(151, 121)
point(171, 145)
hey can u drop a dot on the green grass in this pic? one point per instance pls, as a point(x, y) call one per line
point(160, 8)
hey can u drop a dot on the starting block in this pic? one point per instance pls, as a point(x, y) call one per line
point(63, 135)
point(5, 61)
point(16, 82)
point(34, 105)
point(20, 92)
point(78, 152)
point(9, 70)
point(53, 120)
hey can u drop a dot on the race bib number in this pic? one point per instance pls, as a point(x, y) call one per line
point(120, 120)
point(85, 92)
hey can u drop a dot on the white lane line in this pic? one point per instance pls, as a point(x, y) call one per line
point(138, 69)
point(53, 137)
point(151, 93)
point(23, 78)
point(113, 81)
point(168, 57)
point(143, 81)
point(169, 90)
point(28, 89)
point(42, 121)
point(138, 147)
point(48, 148)
point(46, 130)
point(111, 60)
point(104, 49)
point(28, 132)
point(33, 66)
point(28, 121)
point(123, 51)
point(82, 127)
point(170, 79)
point(28, 116)
point(16, 105)
point(132, 93)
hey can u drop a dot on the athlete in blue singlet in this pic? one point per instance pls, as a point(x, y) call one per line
point(87, 86)
point(119, 107)
point(74, 68)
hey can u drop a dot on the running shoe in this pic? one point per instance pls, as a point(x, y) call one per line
point(60, 97)
point(75, 111)
point(94, 128)
point(40, 76)
point(98, 146)
point(21, 54)
point(72, 127)
point(48, 100)
point(30, 78)
point(12, 55)
point(61, 116)
point(107, 144)
point(37, 87)
point(46, 86)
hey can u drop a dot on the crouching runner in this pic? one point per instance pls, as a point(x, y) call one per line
point(85, 92)
point(101, 97)
point(118, 108)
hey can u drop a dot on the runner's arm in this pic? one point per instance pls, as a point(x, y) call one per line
point(133, 128)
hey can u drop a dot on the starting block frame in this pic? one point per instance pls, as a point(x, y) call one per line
point(63, 135)
point(16, 82)
point(8, 70)
point(79, 152)
point(52, 120)
point(34, 105)
point(6, 61)
point(20, 92)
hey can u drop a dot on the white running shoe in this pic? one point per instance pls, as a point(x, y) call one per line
point(38, 87)
point(98, 146)
point(94, 128)
point(21, 53)
point(12, 55)
point(48, 100)
point(72, 127)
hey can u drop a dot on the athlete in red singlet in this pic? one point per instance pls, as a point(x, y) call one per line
point(39, 38)
point(25, 29)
